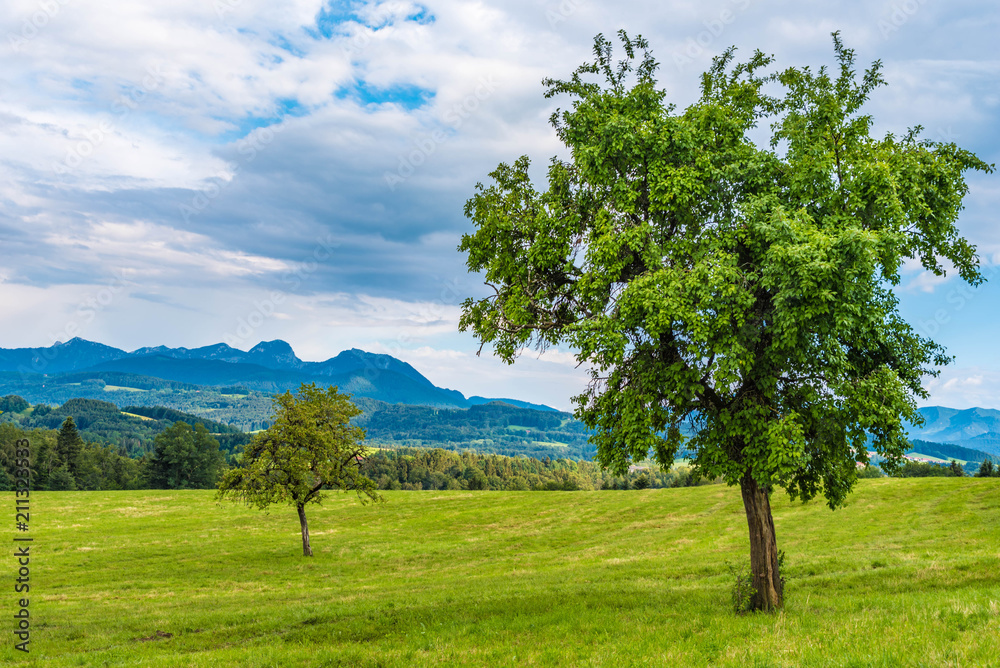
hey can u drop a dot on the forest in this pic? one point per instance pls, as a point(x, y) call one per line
point(181, 457)
point(131, 429)
point(90, 444)
point(421, 469)
point(230, 412)
point(494, 428)
point(232, 405)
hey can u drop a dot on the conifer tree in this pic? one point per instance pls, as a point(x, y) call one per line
point(69, 444)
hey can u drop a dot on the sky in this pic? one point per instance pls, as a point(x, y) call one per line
point(186, 172)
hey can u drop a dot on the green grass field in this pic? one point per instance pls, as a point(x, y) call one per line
point(907, 575)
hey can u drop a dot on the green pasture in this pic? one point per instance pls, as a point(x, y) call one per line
point(907, 575)
point(938, 460)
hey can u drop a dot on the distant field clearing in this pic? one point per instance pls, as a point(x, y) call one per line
point(141, 417)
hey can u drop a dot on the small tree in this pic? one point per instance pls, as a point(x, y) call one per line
point(61, 479)
point(985, 469)
point(742, 289)
point(311, 445)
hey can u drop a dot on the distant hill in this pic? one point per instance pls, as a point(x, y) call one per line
point(986, 442)
point(974, 428)
point(477, 401)
point(132, 429)
point(948, 451)
point(270, 366)
point(354, 360)
point(495, 427)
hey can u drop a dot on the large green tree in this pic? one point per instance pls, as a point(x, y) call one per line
point(709, 280)
point(310, 446)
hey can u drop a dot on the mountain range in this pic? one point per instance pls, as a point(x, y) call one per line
point(975, 428)
point(273, 366)
point(270, 366)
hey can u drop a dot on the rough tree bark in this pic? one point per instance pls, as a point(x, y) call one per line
point(306, 548)
point(763, 546)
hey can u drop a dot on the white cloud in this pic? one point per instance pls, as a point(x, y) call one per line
point(529, 378)
point(179, 86)
point(147, 249)
point(927, 281)
point(556, 357)
point(966, 387)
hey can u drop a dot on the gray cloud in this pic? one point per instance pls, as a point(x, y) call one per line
point(209, 154)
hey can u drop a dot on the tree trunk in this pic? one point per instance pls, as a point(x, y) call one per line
point(306, 548)
point(763, 546)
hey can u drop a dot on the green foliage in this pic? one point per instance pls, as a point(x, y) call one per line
point(310, 447)
point(870, 471)
point(490, 428)
point(704, 277)
point(174, 415)
point(61, 479)
point(209, 404)
point(13, 404)
point(121, 379)
point(987, 470)
point(102, 421)
point(912, 469)
point(742, 592)
point(947, 451)
point(185, 458)
point(494, 427)
point(44, 457)
point(437, 469)
point(99, 466)
point(85, 411)
point(105, 467)
point(69, 445)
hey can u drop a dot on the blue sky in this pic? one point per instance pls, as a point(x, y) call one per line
point(189, 172)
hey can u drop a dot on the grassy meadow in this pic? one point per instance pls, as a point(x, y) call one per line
point(907, 575)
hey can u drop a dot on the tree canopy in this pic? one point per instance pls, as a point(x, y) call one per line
point(69, 444)
point(310, 447)
point(705, 277)
point(185, 458)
